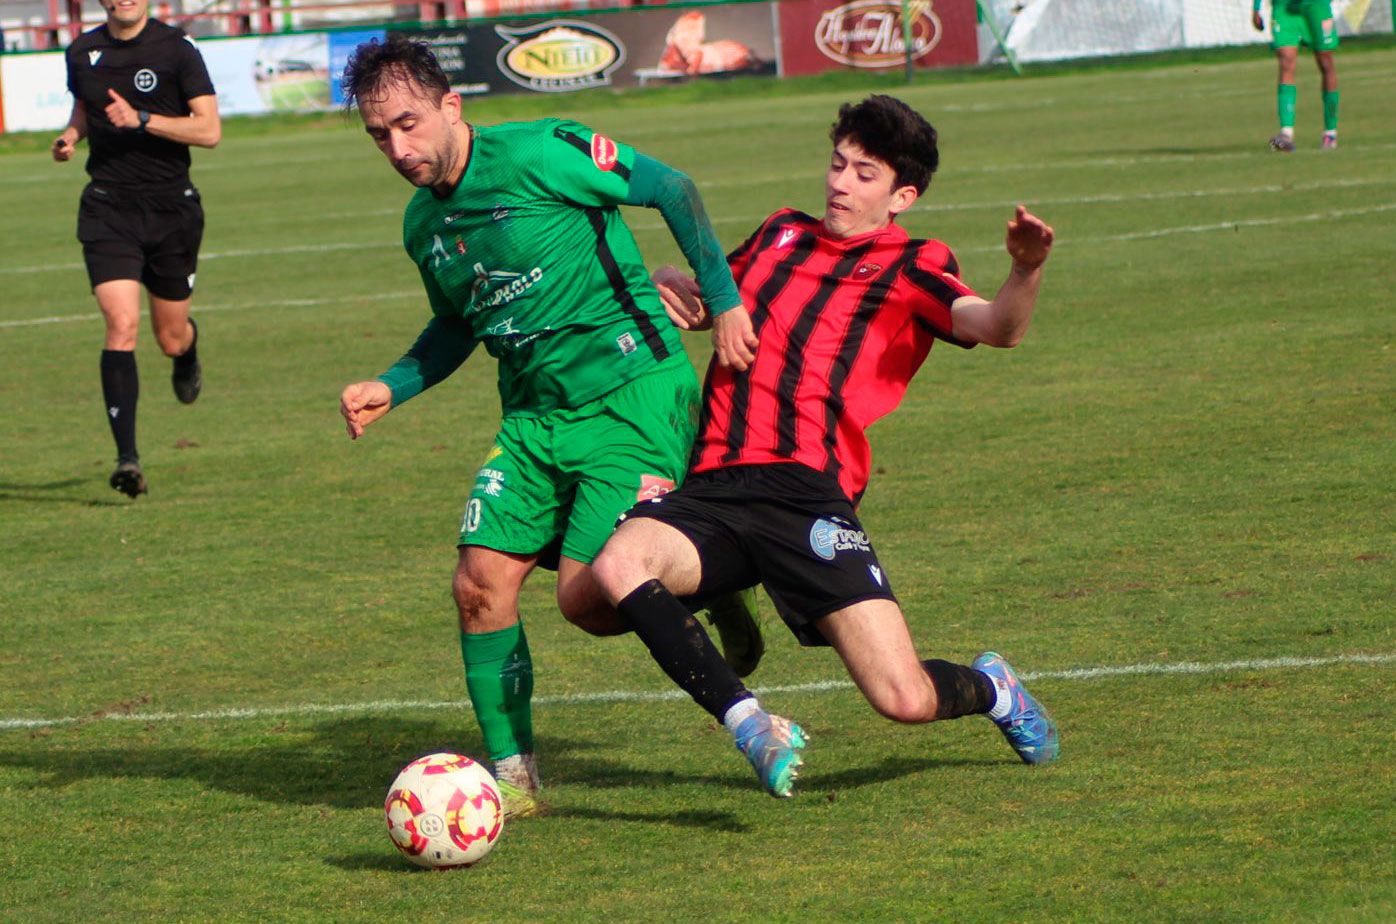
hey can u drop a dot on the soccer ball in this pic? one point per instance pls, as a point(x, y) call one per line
point(444, 810)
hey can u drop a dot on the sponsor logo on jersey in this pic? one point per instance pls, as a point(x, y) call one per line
point(559, 56)
point(832, 535)
point(868, 33)
point(604, 153)
point(786, 236)
point(653, 487)
point(493, 288)
point(93, 57)
point(146, 80)
point(454, 217)
point(866, 270)
point(627, 344)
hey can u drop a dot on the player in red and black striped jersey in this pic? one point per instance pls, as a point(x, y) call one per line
point(839, 314)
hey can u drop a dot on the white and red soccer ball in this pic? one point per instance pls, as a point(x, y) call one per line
point(444, 810)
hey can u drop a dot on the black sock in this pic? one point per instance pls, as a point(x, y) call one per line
point(679, 644)
point(190, 356)
point(120, 387)
point(960, 690)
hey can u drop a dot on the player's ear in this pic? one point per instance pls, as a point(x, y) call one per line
point(451, 105)
point(903, 198)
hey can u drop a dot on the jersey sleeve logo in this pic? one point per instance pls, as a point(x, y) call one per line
point(604, 153)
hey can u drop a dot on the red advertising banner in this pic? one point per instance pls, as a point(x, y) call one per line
point(822, 35)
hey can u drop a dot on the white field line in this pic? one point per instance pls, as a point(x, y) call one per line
point(1104, 199)
point(1232, 225)
point(411, 294)
point(651, 696)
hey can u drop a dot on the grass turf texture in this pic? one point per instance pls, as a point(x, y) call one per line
point(1189, 459)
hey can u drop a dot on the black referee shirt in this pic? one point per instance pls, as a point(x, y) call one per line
point(159, 70)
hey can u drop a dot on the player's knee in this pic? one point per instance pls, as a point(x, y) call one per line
point(590, 613)
point(908, 703)
point(171, 340)
point(616, 568)
point(475, 605)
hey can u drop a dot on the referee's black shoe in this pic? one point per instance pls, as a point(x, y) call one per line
point(128, 478)
point(188, 375)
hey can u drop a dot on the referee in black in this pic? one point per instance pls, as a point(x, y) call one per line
point(141, 97)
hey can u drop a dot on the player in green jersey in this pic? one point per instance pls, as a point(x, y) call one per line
point(517, 234)
point(1310, 23)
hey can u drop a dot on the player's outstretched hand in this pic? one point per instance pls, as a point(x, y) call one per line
point(682, 299)
point(734, 341)
point(121, 113)
point(1029, 239)
point(362, 403)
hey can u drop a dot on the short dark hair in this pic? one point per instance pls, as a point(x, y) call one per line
point(398, 59)
point(894, 133)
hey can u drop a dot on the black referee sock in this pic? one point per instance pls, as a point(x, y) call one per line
point(120, 387)
point(678, 643)
point(190, 356)
point(960, 690)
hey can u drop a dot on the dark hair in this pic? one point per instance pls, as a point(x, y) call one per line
point(894, 133)
point(397, 60)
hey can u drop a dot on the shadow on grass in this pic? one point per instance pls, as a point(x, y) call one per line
point(17, 493)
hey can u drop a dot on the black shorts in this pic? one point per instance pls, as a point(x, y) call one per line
point(152, 238)
point(786, 526)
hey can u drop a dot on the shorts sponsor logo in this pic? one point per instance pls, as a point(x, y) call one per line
point(832, 535)
point(604, 153)
point(146, 80)
point(490, 482)
point(876, 572)
point(627, 344)
point(653, 487)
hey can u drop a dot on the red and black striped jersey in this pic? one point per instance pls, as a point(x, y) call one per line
point(843, 325)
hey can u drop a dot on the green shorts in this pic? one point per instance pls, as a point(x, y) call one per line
point(570, 474)
point(1303, 22)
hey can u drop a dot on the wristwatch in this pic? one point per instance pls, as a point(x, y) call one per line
point(144, 116)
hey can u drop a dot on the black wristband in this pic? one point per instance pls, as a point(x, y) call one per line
point(144, 116)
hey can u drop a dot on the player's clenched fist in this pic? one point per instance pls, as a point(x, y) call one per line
point(362, 403)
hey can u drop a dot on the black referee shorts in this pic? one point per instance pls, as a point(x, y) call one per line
point(786, 526)
point(150, 237)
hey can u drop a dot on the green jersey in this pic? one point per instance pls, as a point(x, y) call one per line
point(529, 256)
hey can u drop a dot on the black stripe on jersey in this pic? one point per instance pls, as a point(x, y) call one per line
point(581, 144)
point(868, 306)
point(932, 285)
point(770, 290)
point(621, 288)
point(794, 369)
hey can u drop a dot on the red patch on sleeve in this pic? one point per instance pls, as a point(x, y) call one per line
point(604, 153)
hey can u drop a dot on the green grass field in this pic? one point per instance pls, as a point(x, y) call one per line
point(1174, 506)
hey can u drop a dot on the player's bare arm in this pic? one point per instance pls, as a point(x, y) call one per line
point(362, 403)
point(202, 128)
point(1003, 321)
point(65, 144)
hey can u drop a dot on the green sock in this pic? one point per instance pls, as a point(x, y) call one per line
point(499, 676)
point(1285, 98)
point(1330, 110)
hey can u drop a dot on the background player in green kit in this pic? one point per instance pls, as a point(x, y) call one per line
point(1294, 23)
point(517, 235)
